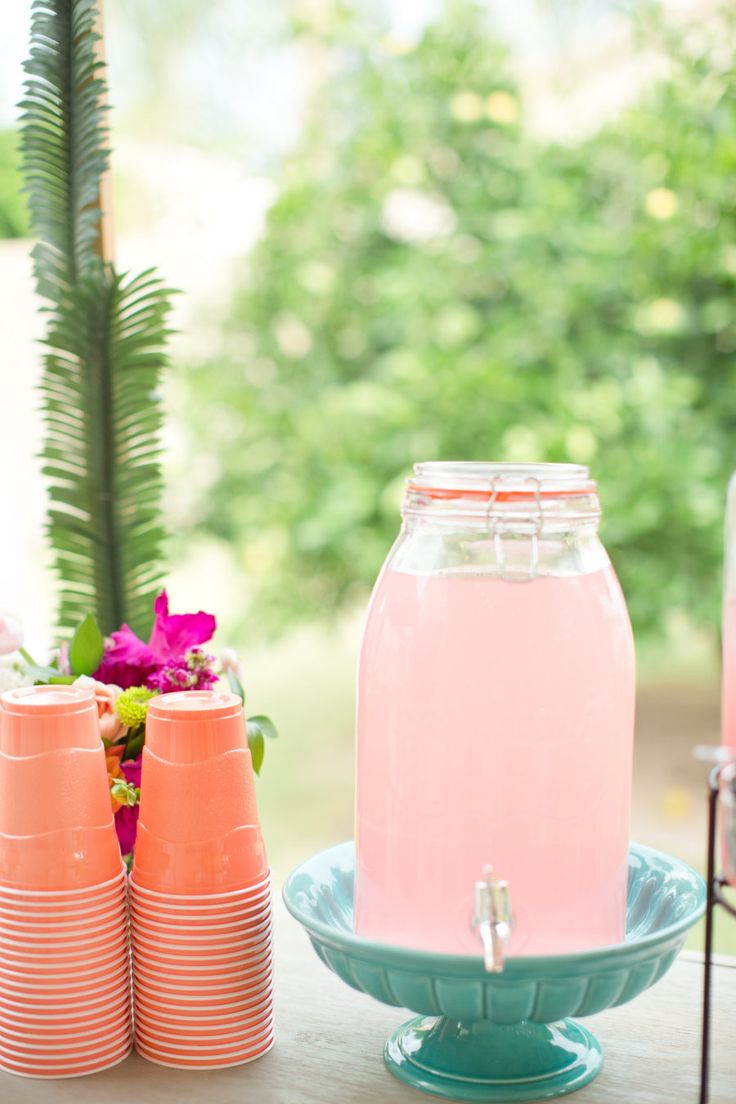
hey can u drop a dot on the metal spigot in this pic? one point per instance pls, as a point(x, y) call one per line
point(492, 919)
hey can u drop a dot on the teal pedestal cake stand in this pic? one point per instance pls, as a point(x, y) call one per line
point(507, 1036)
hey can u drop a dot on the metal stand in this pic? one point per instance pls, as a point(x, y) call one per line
point(715, 884)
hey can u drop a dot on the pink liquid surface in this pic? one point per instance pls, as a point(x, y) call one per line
point(495, 726)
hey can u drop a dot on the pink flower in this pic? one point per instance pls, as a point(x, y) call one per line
point(192, 672)
point(126, 826)
point(111, 727)
point(126, 817)
point(129, 662)
point(131, 768)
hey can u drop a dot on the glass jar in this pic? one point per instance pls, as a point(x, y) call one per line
point(495, 715)
point(728, 635)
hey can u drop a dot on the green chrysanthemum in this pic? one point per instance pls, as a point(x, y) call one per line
point(132, 705)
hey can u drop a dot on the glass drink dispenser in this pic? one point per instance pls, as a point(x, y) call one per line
point(495, 720)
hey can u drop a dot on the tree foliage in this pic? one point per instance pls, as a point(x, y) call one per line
point(436, 283)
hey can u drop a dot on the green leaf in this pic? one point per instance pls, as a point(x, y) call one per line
point(86, 648)
point(135, 743)
point(235, 684)
point(266, 725)
point(257, 746)
point(259, 729)
point(41, 674)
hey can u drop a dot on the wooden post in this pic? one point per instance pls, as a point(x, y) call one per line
point(106, 240)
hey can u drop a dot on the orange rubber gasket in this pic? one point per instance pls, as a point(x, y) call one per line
point(448, 494)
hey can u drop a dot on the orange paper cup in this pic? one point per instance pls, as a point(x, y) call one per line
point(34, 903)
point(191, 726)
point(229, 862)
point(241, 1060)
point(56, 1069)
point(188, 908)
point(35, 719)
point(67, 788)
point(221, 789)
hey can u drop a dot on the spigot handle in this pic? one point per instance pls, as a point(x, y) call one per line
point(492, 919)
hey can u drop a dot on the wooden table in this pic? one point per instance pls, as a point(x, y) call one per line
point(330, 1040)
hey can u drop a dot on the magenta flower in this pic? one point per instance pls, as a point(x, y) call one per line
point(126, 817)
point(191, 672)
point(129, 662)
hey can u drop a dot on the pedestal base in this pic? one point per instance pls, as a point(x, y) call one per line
point(486, 1062)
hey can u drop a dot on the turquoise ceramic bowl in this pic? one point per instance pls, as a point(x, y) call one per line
point(499, 1037)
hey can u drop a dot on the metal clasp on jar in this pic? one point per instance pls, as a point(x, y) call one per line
point(525, 523)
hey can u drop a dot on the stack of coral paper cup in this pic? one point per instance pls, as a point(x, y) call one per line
point(200, 890)
point(65, 997)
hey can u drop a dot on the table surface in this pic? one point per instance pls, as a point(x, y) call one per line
point(330, 1039)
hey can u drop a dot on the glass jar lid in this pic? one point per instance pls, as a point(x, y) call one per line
point(538, 493)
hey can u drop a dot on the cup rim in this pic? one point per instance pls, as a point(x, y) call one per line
point(124, 1029)
point(59, 1035)
point(119, 912)
point(241, 955)
point(184, 918)
point(181, 1033)
point(193, 977)
point(102, 1050)
point(94, 966)
point(156, 894)
point(150, 1009)
point(107, 933)
point(254, 916)
point(256, 1036)
point(100, 968)
point(187, 995)
point(69, 985)
point(125, 999)
point(76, 1069)
point(203, 901)
point(65, 1009)
point(237, 1007)
point(49, 897)
point(212, 946)
point(161, 943)
point(212, 974)
point(49, 957)
point(179, 933)
point(244, 1061)
point(19, 1028)
point(72, 915)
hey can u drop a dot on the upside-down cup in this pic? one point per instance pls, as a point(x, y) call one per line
point(193, 726)
point(221, 789)
point(189, 908)
point(78, 858)
point(38, 719)
point(54, 790)
point(229, 862)
point(62, 905)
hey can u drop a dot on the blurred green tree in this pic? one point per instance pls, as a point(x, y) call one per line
point(13, 211)
point(435, 283)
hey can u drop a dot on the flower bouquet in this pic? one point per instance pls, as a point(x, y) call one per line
point(126, 673)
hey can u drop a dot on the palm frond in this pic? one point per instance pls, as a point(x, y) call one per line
point(101, 455)
point(106, 340)
point(64, 142)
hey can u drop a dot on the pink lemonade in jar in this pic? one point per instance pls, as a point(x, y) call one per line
point(728, 678)
point(495, 726)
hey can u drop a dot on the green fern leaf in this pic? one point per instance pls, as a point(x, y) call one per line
point(106, 340)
